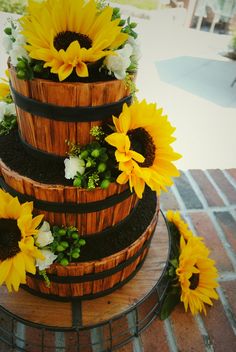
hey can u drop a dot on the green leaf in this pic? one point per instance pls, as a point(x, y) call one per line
point(174, 262)
point(168, 305)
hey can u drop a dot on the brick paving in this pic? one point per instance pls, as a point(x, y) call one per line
point(207, 200)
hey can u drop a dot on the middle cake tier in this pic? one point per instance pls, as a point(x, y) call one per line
point(62, 204)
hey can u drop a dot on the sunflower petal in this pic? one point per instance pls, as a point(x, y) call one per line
point(5, 267)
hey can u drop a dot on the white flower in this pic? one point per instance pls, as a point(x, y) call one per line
point(135, 46)
point(119, 62)
point(17, 52)
point(73, 165)
point(7, 43)
point(10, 109)
point(2, 110)
point(16, 29)
point(49, 258)
point(20, 40)
point(44, 235)
point(18, 44)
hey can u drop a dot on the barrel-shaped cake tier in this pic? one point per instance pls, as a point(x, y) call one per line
point(95, 278)
point(50, 113)
point(90, 211)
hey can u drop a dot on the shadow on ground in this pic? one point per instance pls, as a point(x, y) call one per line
point(209, 79)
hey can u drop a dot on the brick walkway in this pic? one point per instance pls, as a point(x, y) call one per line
point(207, 199)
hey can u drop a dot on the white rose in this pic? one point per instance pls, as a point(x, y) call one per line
point(16, 28)
point(135, 47)
point(17, 52)
point(119, 62)
point(49, 258)
point(2, 110)
point(10, 109)
point(20, 40)
point(7, 43)
point(73, 165)
point(44, 235)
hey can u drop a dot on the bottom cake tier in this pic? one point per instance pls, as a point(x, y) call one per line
point(94, 278)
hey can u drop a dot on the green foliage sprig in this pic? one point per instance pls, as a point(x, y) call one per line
point(172, 297)
point(7, 124)
point(67, 244)
point(130, 84)
point(98, 133)
point(43, 273)
point(127, 25)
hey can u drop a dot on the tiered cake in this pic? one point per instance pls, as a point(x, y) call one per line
point(116, 221)
point(98, 214)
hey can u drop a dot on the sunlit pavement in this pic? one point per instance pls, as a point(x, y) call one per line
point(184, 72)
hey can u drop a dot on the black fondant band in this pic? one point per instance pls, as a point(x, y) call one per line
point(88, 296)
point(94, 276)
point(73, 208)
point(38, 153)
point(69, 114)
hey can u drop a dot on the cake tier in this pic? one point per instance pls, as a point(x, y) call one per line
point(50, 113)
point(89, 211)
point(62, 204)
point(94, 278)
point(106, 322)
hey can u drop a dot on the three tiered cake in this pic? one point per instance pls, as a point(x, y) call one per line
point(89, 157)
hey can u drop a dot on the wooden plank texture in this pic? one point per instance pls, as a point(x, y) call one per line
point(53, 313)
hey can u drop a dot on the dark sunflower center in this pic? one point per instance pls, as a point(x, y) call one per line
point(10, 235)
point(194, 281)
point(64, 39)
point(142, 143)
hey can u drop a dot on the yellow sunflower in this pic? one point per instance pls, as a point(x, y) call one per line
point(4, 90)
point(197, 276)
point(179, 223)
point(4, 87)
point(142, 141)
point(17, 249)
point(68, 34)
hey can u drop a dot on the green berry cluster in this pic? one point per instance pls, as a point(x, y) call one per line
point(128, 26)
point(28, 70)
point(97, 171)
point(24, 69)
point(66, 244)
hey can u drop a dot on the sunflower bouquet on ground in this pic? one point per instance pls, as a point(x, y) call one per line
point(192, 274)
point(72, 40)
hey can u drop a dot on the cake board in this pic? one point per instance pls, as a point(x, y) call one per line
point(33, 324)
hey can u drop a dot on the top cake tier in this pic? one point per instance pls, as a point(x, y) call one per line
point(51, 113)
